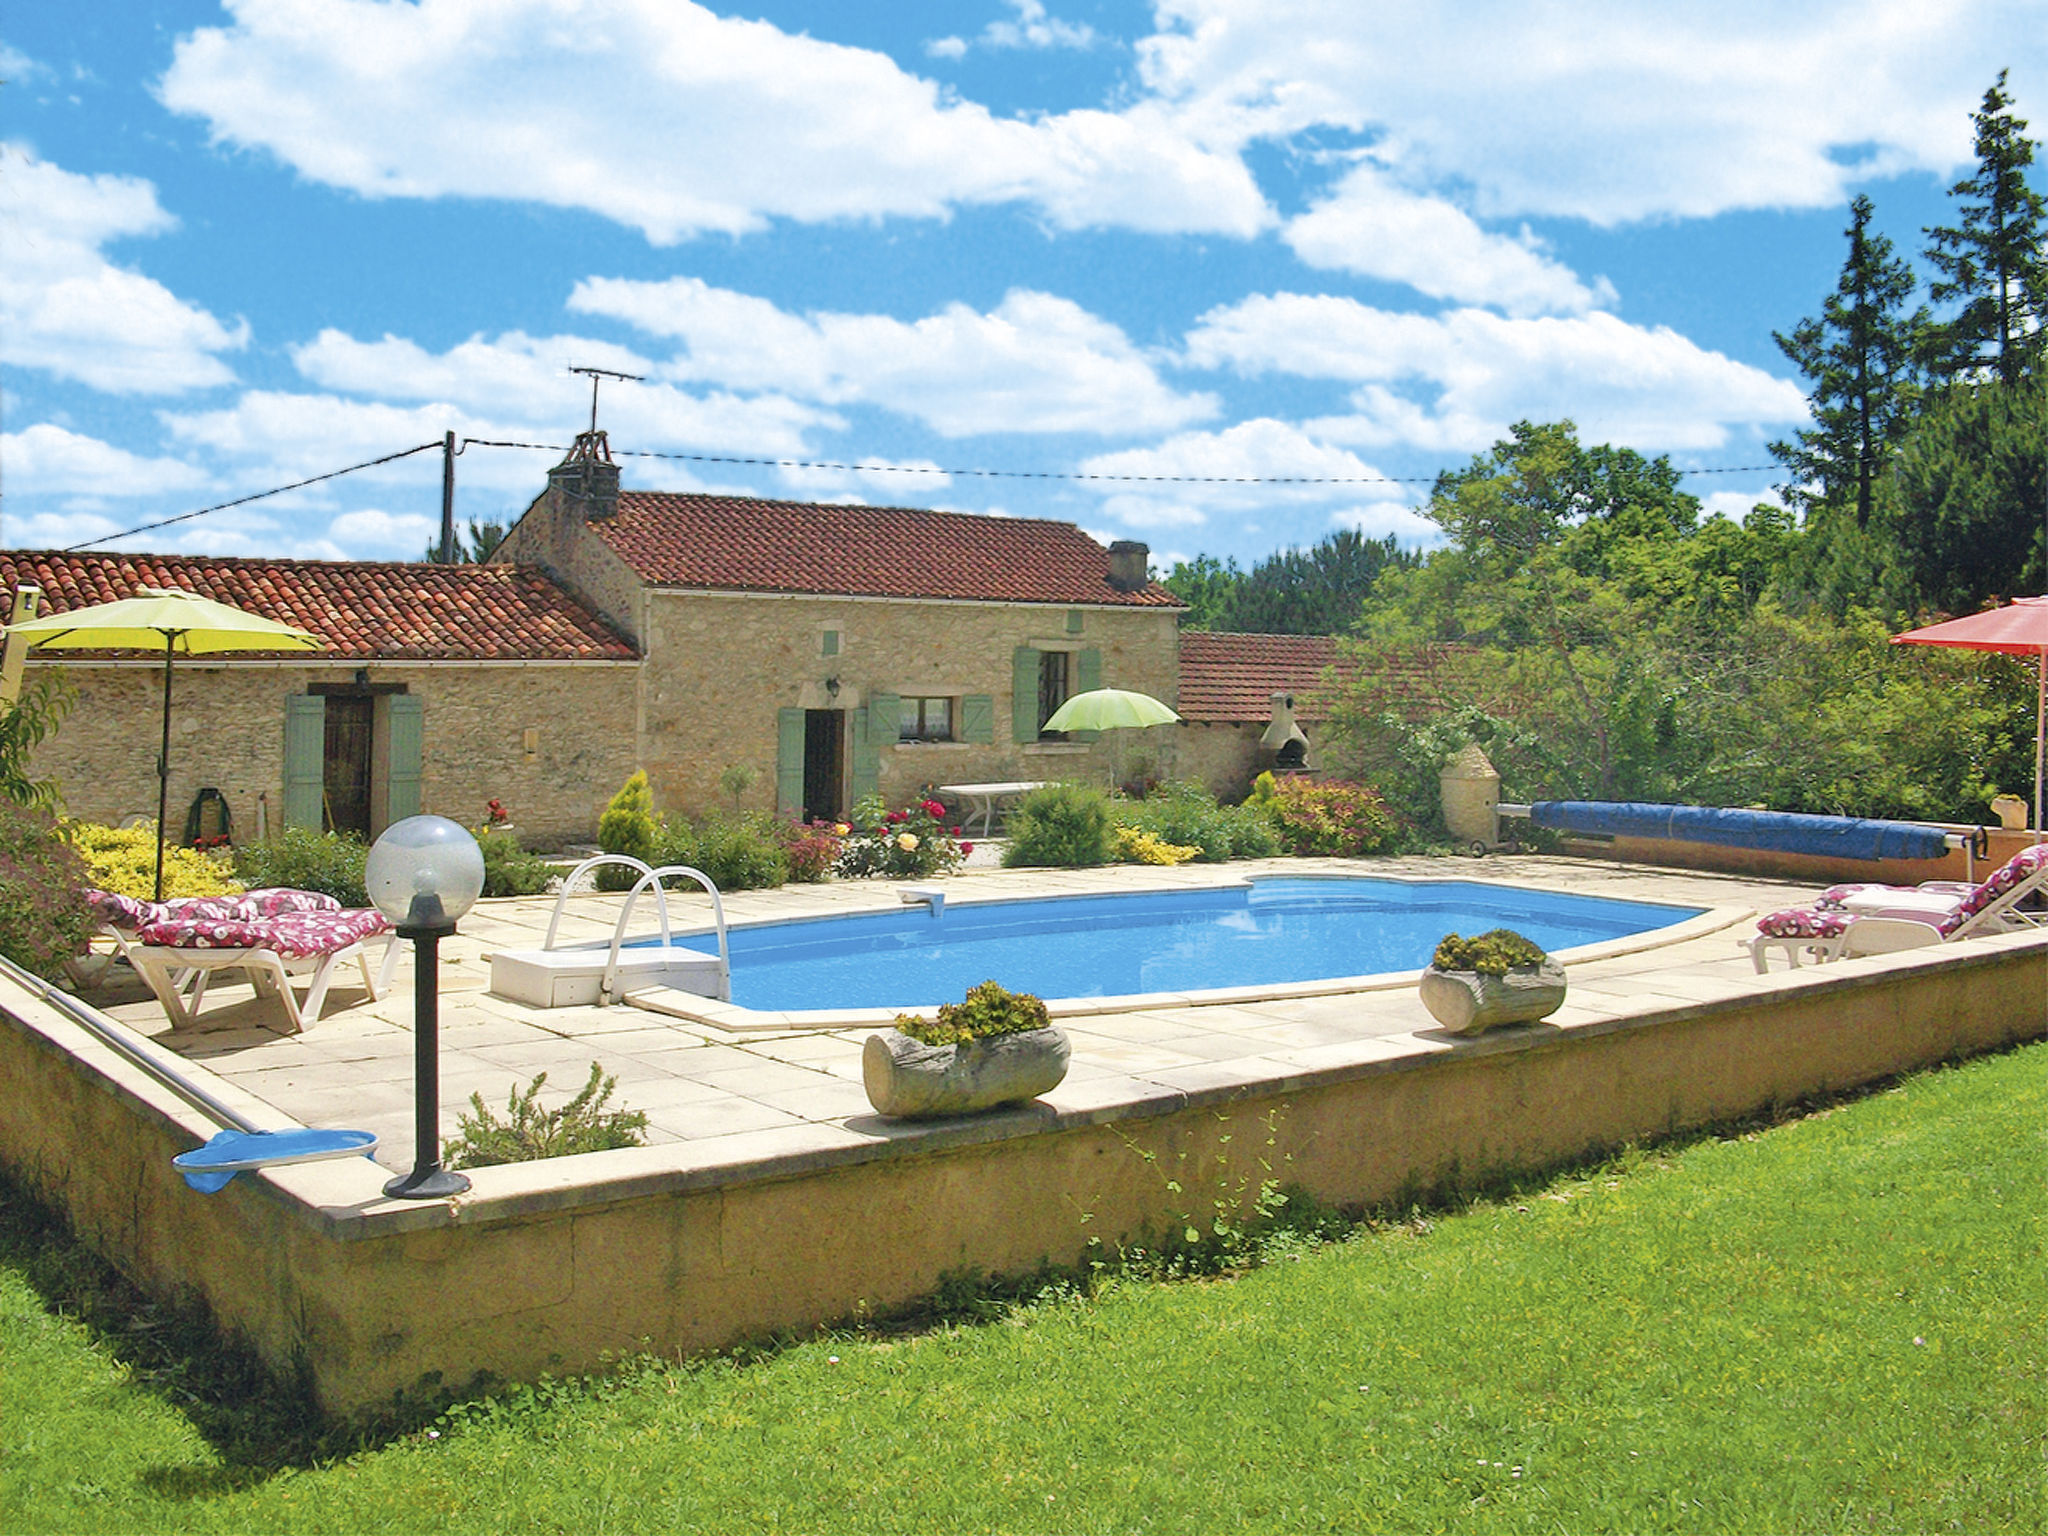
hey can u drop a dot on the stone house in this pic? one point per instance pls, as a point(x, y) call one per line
point(837, 651)
point(441, 688)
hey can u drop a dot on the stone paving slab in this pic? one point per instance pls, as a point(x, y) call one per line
point(724, 1089)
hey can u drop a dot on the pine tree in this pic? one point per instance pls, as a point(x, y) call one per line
point(1994, 263)
point(1859, 356)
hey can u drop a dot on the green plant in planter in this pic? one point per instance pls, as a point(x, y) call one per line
point(1493, 953)
point(988, 1009)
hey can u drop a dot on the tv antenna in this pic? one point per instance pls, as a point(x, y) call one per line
point(605, 373)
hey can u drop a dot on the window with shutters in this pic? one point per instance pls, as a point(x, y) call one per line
point(926, 719)
point(1054, 687)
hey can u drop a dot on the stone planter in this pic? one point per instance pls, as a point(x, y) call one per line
point(909, 1080)
point(1467, 1002)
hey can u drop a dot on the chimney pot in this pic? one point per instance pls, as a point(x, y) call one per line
point(1127, 561)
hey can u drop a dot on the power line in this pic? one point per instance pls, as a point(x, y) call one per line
point(872, 469)
point(185, 517)
point(1041, 474)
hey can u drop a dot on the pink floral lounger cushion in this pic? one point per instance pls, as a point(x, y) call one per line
point(1803, 923)
point(2023, 865)
point(295, 934)
point(130, 914)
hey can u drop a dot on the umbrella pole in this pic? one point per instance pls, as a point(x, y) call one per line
point(2040, 738)
point(163, 772)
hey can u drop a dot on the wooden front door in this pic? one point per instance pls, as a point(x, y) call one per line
point(345, 769)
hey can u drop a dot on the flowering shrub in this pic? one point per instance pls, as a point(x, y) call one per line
point(1134, 845)
point(1329, 817)
point(912, 841)
point(495, 814)
point(123, 860)
point(813, 849)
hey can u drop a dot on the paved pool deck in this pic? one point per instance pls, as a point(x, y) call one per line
point(735, 1093)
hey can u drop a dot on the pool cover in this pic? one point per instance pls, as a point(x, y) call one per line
point(1847, 837)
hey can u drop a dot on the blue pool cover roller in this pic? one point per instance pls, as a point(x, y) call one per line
point(1847, 837)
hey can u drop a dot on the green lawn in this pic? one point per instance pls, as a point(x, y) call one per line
point(1833, 1325)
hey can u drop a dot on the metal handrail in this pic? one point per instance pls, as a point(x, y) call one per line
point(608, 985)
point(569, 884)
point(112, 1034)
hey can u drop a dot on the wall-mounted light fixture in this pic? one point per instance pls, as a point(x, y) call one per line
point(832, 687)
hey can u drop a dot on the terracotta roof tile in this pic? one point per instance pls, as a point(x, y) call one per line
point(739, 543)
point(365, 611)
point(1233, 677)
point(1227, 677)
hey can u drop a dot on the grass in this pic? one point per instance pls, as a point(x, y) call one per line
point(1830, 1325)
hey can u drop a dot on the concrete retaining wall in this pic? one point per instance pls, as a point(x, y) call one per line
point(548, 1267)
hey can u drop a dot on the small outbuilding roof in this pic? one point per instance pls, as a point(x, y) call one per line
point(364, 610)
point(746, 544)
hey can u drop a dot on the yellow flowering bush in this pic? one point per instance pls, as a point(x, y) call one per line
point(1134, 845)
point(123, 860)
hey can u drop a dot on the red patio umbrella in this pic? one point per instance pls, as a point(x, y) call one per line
point(2020, 628)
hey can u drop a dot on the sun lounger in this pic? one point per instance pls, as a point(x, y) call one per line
point(1868, 920)
point(177, 955)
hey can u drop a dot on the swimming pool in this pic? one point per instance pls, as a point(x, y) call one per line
point(1266, 932)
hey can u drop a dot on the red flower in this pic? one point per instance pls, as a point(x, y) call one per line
point(966, 849)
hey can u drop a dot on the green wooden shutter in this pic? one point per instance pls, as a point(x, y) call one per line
point(867, 760)
point(789, 761)
point(406, 736)
point(1087, 678)
point(885, 719)
point(305, 760)
point(978, 718)
point(1023, 694)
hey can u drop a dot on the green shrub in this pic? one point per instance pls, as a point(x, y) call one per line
point(1185, 814)
point(306, 860)
point(1063, 826)
point(1134, 845)
point(509, 870)
point(988, 1009)
point(675, 842)
point(1493, 953)
point(628, 827)
point(741, 853)
point(123, 860)
point(25, 724)
point(531, 1133)
point(1329, 817)
point(44, 920)
point(910, 842)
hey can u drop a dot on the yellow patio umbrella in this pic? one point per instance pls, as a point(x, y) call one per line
point(1111, 709)
point(171, 620)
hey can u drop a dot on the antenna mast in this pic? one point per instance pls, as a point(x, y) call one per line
point(605, 373)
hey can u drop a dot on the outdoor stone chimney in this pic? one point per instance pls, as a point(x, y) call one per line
point(1127, 562)
point(586, 482)
point(1284, 745)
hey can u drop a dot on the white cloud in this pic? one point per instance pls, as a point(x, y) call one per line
point(1377, 519)
point(372, 532)
point(1607, 110)
point(1243, 472)
point(1035, 363)
point(1035, 29)
point(1736, 505)
point(69, 311)
point(666, 118)
point(887, 481)
point(1371, 226)
point(47, 460)
point(1459, 380)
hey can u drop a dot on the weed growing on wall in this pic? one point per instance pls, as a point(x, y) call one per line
point(529, 1133)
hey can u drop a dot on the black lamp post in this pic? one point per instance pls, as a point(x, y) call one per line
point(423, 874)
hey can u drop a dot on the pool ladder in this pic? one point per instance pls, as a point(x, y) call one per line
point(608, 985)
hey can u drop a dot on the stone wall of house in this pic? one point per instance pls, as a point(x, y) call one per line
point(720, 665)
point(227, 732)
point(553, 535)
point(1222, 754)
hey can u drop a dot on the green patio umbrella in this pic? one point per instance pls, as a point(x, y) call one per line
point(1110, 709)
point(176, 622)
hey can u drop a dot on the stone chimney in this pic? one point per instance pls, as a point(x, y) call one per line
point(1127, 561)
point(586, 482)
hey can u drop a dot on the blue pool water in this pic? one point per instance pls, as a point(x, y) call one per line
point(1284, 930)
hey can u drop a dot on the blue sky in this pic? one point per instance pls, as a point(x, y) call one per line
point(1343, 241)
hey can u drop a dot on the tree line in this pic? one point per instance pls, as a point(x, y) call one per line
point(1600, 639)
